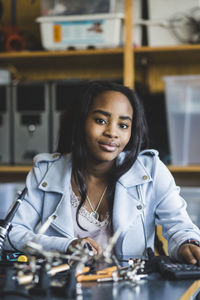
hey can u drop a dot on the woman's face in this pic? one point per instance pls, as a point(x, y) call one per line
point(108, 126)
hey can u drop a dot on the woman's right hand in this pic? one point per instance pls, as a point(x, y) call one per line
point(95, 246)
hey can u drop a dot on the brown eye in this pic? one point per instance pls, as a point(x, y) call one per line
point(123, 126)
point(100, 121)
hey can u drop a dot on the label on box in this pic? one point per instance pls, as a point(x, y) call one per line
point(79, 32)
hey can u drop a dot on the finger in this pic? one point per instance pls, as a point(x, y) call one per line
point(195, 252)
point(71, 246)
point(95, 246)
point(186, 254)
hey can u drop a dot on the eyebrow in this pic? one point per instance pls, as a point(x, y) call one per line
point(107, 114)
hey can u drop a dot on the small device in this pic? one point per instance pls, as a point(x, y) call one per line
point(178, 271)
point(171, 270)
point(8, 256)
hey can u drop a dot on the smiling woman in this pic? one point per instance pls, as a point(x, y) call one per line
point(108, 126)
point(110, 180)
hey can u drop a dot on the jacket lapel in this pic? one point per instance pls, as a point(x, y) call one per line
point(58, 180)
point(57, 176)
point(127, 202)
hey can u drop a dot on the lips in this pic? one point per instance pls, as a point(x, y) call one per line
point(108, 146)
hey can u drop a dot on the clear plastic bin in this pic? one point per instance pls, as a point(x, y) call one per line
point(76, 7)
point(192, 198)
point(182, 95)
point(81, 31)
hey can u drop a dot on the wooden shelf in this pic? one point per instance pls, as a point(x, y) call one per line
point(155, 62)
point(184, 176)
point(107, 51)
point(179, 48)
point(58, 65)
point(13, 173)
point(185, 54)
point(14, 169)
point(184, 169)
point(174, 169)
point(42, 54)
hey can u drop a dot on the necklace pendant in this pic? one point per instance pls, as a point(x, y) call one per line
point(95, 215)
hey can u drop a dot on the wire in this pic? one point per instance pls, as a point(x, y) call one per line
point(186, 27)
point(11, 244)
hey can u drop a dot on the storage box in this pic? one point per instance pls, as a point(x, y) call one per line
point(76, 7)
point(182, 94)
point(5, 76)
point(80, 32)
point(31, 119)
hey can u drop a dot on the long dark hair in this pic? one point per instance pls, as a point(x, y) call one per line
point(75, 139)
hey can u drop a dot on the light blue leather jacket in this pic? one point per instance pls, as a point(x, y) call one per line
point(146, 195)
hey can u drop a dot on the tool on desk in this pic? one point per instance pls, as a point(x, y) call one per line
point(5, 225)
point(104, 273)
point(24, 279)
point(46, 224)
point(114, 273)
point(58, 273)
point(13, 256)
point(89, 247)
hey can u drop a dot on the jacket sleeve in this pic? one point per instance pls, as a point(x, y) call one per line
point(28, 217)
point(171, 211)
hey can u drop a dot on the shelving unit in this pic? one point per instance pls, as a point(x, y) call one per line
point(99, 63)
point(13, 173)
point(154, 62)
point(183, 169)
point(184, 175)
point(76, 64)
point(142, 64)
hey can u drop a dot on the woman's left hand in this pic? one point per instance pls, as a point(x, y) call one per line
point(190, 253)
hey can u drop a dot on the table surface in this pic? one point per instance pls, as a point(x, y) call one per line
point(152, 288)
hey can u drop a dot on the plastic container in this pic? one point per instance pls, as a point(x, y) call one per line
point(5, 76)
point(182, 95)
point(192, 198)
point(81, 32)
point(76, 7)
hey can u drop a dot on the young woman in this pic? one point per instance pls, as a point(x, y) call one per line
point(108, 181)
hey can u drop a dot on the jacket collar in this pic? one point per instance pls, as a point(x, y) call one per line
point(136, 175)
point(58, 175)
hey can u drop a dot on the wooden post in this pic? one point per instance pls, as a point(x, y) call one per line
point(128, 72)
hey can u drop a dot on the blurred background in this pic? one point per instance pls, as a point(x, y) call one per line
point(49, 48)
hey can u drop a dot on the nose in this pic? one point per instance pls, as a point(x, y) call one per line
point(111, 130)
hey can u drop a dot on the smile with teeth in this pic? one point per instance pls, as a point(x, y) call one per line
point(110, 146)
